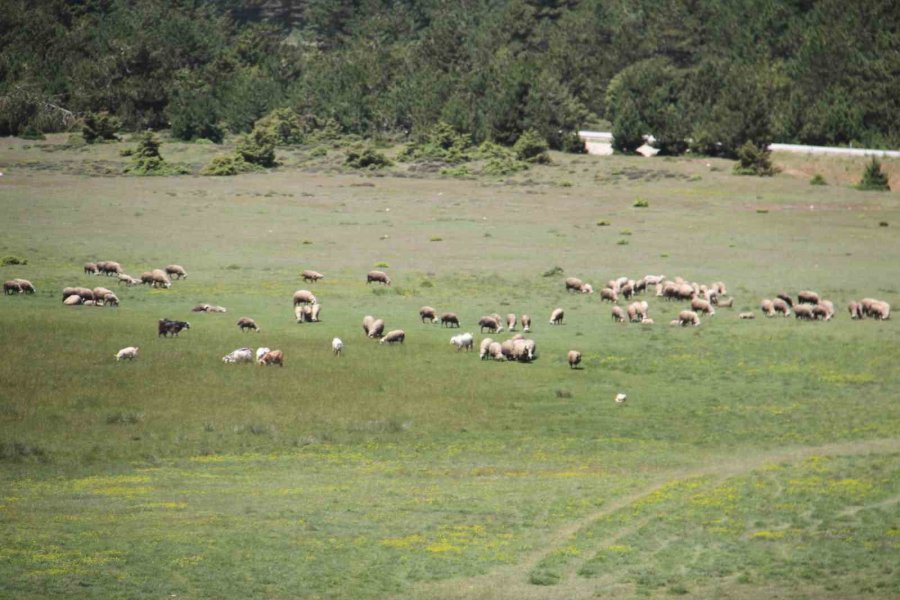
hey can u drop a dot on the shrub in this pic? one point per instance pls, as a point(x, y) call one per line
point(874, 179)
point(32, 133)
point(603, 223)
point(382, 265)
point(146, 159)
point(284, 125)
point(99, 127)
point(366, 158)
point(817, 180)
point(754, 160)
point(641, 203)
point(442, 142)
point(257, 147)
point(228, 164)
point(13, 260)
point(531, 148)
point(554, 272)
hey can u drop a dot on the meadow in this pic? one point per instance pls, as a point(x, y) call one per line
point(753, 459)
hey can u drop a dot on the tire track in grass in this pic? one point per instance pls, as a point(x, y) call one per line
point(512, 582)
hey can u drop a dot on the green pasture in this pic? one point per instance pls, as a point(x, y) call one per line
point(753, 459)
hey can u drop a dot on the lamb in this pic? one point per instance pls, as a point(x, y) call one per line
point(780, 306)
point(241, 355)
point(428, 313)
point(746, 315)
point(337, 346)
point(367, 323)
point(377, 328)
point(176, 272)
point(245, 323)
point(526, 323)
point(804, 311)
point(807, 297)
point(688, 317)
point(484, 347)
point(260, 352)
point(110, 300)
point(574, 358)
point(618, 315)
point(463, 340)
point(767, 307)
point(620, 398)
point(304, 297)
point(90, 269)
point(394, 336)
point(489, 323)
point(449, 320)
point(609, 294)
point(557, 316)
point(378, 277)
point(511, 322)
point(855, 309)
point(129, 353)
point(530, 349)
point(272, 357)
point(703, 306)
point(573, 284)
point(160, 279)
point(13, 287)
point(313, 276)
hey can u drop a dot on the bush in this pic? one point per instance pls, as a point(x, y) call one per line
point(442, 142)
point(754, 160)
point(366, 158)
point(228, 164)
point(146, 159)
point(258, 148)
point(99, 127)
point(874, 179)
point(554, 272)
point(531, 148)
point(284, 125)
point(32, 133)
point(641, 203)
point(12, 260)
point(817, 180)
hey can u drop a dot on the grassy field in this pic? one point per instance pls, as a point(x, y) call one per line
point(753, 459)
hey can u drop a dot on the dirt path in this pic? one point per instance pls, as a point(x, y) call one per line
point(512, 582)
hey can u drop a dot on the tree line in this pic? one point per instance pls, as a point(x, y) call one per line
point(704, 76)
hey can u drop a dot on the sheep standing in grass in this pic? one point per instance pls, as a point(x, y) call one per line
point(302, 313)
point(688, 317)
point(12, 287)
point(804, 311)
point(609, 295)
point(368, 320)
point(807, 297)
point(160, 279)
point(463, 341)
point(246, 323)
point(489, 323)
point(767, 307)
point(241, 355)
point(176, 272)
point(394, 336)
point(147, 278)
point(526, 323)
point(73, 300)
point(511, 322)
point(557, 316)
point(313, 276)
point(426, 313)
point(337, 346)
point(574, 358)
point(780, 306)
point(618, 315)
point(129, 353)
point(91, 269)
point(880, 310)
point(620, 398)
point(587, 289)
point(786, 299)
point(449, 320)
point(484, 347)
point(272, 357)
point(377, 328)
point(495, 350)
point(573, 284)
point(824, 310)
point(700, 305)
point(378, 277)
point(304, 297)
point(260, 352)
point(855, 310)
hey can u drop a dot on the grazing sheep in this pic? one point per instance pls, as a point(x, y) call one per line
point(160, 279)
point(241, 355)
point(272, 357)
point(200, 308)
point(337, 346)
point(100, 293)
point(303, 314)
point(587, 289)
point(722, 303)
point(530, 349)
point(129, 353)
point(489, 323)
point(786, 299)
point(688, 317)
point(495, 351)
point(426, 313)
point(807, 297)
point(855, 309)
point(526, 323)
point(780, 306)
point(217, 309)
point(393, 337)
point(506, 348)
point(574, 358)
point(609, 294)
point(90, 269)
point(511, 322)
point(147, 278)
point(483, 348)
point(573, 284)
point(557, 316)
point(314, 311)
point(449, 320)
point(674, 322)
point(378, 277)
point(647, 321)
point(166, 327)
point(13, 287)
point(618, 315)
point(804, 311)
point(110, 300)
point(620, 398)
point(377, 328)
point(627, 290)
point(463, 340)
point(260, 352)
point(73, 300)
point(824, 309)
point(367, 323)
point(746, 315)
point(313, 276)
point(880, 310)
point(128, 280)
point(767, 307)
point(176, 272)
point(653, 279)
point(26, 286)
point(245, 323)
point(700, 305)
point(109, 267)
point(304, 297)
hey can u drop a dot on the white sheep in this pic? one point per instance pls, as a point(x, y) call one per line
point(557, 316)
point(241, 355)
point(260, 352)
point(574, 358)
point(484, 348)
point(393, 336)
point(129, 353)
point(463, 340)
point(337, 346)
point(620, 398)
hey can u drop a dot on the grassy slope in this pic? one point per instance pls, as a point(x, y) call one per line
point(418, 471)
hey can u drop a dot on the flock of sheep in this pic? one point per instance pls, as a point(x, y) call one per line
point(101, 296)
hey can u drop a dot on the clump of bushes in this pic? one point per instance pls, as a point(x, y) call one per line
point(10, 260)
point(641, 203)
point(228, 164)
point(99, 127)
point(284, 126)
point(442, 143)
point(146, 159)
point(366, 158)
point(532, 148)
point(258, 147)
point(874, 179)
point(754, 160)
point(817, 179)
point(499, 160)
point(554, 272)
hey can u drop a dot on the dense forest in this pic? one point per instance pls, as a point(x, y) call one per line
point(699, 75)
